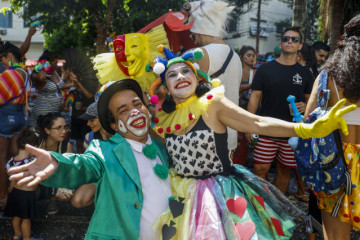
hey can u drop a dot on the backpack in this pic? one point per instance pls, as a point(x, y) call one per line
point(320, 161)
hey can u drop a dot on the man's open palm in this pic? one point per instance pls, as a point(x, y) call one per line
point(36, 171)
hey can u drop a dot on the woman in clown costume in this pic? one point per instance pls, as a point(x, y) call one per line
point(212, 198)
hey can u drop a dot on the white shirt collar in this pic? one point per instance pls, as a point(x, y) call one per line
point(138, 146)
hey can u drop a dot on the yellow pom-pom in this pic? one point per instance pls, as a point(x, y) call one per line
point(215, 83)
point(161, 48)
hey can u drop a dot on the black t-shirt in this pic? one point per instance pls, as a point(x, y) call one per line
point(277, 82)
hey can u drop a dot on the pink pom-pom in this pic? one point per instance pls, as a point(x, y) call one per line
point(156, 120)
point(168, 129)
point(160, 130)
point(154, 99)
point(177, 126)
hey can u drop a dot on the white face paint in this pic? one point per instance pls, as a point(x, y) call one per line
point(137, 123)
point(121, 126)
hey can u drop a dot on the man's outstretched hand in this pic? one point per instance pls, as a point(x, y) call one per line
point(36, 171)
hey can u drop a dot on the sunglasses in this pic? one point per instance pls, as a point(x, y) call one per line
point(287, 38)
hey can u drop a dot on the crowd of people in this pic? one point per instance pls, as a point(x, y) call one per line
point(180, 170)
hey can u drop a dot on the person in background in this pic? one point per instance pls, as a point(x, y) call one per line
point(23, 48)
point(321, 50)
point(247, 55)
point(207, 30)
point(22, 204)
point(273, 83)
point(83, 97)
point(48, 85)
point(84, 195)
point(343, 71)
point(307, 58)
point(53, 130)
point(14, 88)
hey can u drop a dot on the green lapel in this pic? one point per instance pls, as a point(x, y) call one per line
point(125, 156)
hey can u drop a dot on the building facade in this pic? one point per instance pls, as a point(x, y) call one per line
point(274, 15)
point(15, 29)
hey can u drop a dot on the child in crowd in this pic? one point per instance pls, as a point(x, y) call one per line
point(22, 204)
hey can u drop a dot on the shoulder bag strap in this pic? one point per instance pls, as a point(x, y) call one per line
point(224, 66)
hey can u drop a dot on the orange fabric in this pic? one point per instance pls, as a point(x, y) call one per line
point(11, 85)
point(350, 206)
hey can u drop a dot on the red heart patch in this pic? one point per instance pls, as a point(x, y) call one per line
point(261, 201)
point(245, 230)
point(237, 206)
point(277, 226)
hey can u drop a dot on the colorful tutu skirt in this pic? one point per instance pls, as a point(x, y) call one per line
point(349, 211)
point(240, 206)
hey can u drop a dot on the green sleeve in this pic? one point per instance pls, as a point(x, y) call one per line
point(77, 169)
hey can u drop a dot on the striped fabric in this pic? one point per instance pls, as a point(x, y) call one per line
point(11, 85)
point(267, 149)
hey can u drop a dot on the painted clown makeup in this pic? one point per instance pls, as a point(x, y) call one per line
point(137, 123)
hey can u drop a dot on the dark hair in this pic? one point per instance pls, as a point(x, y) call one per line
point(27, 136)
point(47, 55)
point(344, 65)
point(308, 55)
point(320, 46)
point(47, 121)
point(244, 49)
point(8, 47)
point(294, 29)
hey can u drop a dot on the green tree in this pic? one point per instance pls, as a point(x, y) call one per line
point(86, 24)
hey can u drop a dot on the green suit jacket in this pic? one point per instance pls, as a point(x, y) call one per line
point(119, 198)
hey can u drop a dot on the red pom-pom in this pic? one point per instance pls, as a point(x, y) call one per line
point(191, 116)
point(168, 129)
point(177, 126)
point(156, 120)
point(209, 96)
point(160, 130)
point(160, 109)
point(154, 99)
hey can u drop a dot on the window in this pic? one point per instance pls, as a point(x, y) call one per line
point(6, 19)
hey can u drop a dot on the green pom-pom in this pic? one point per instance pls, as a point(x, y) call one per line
point(161, 171)
point(198, 54)
point(171, 198)
point(150, 151)
point(148, 67)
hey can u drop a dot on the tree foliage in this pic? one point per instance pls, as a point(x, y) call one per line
point(86, 24)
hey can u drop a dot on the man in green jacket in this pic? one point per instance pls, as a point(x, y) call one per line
point(130, 168)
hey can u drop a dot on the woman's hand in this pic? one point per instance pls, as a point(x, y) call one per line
point(327, 123)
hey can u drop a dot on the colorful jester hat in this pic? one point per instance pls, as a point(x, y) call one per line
point(160, 65)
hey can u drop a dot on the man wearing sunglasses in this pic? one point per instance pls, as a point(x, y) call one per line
point(273, 83)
